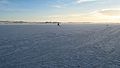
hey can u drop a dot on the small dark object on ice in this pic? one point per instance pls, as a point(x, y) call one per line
point(58, 24)
point(107, 25)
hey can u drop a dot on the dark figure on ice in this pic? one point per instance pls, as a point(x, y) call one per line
point(58, 24)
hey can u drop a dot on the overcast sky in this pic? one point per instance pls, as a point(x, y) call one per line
point(61, 10)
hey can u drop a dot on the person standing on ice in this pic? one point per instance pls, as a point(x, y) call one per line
point(58, 24)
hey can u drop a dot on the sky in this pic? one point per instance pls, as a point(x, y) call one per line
point(60, 10)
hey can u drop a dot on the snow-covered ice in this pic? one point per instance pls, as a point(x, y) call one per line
point(67, 46)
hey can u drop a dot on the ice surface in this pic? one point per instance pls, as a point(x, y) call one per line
point(68, 46)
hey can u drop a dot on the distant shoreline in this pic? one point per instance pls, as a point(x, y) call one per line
point(49, 23)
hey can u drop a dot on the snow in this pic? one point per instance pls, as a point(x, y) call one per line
point(67, 46)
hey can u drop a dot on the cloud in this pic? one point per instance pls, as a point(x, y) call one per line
point(93, 16)
point(110, 12)
point(83, 1)
point(57, 6)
